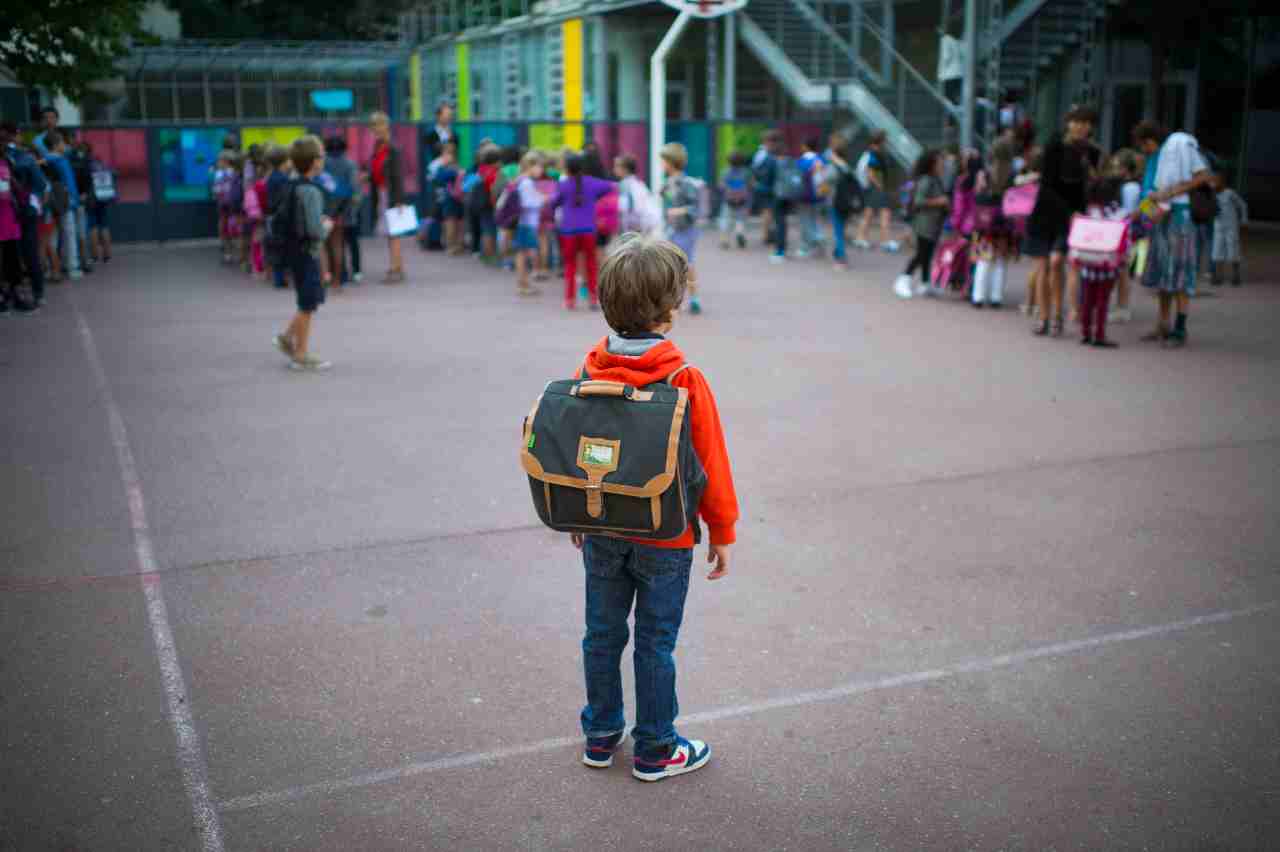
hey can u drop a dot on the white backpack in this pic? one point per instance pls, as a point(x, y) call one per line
point(104, 182)
point(641, 211)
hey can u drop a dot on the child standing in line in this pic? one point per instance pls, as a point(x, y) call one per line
point(50, 216)
point(1126, 169)
point(642, 284)
point(1102, 201)
point(222, 177)
point(575, 198)
point(526, 236)
point(254, 211)
point(277, 188)
point(443, 173)
point(735, 190)
point(1232, 213)
point(929, 212)
point(68, 231)
point(809, 205)
point(308, 229)
point(680, 199)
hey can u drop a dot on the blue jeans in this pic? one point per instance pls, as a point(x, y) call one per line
point(656, 579)
point(837, 233)
point(810, 232)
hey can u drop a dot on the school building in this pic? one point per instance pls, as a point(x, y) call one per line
point(551, 73)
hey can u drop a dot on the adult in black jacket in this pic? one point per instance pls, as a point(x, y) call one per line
point(433, 142)
point(1069, 162)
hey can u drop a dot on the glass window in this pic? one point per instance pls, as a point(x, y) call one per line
point(253, 101)
point(191, 103)
point(222, 101)
point(159, 103)
point(285, 100)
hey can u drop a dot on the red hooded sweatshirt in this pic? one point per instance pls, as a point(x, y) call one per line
point(719, 506)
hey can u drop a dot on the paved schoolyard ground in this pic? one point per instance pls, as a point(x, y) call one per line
point(991, 592)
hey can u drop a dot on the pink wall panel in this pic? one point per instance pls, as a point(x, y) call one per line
point(125, 151)
point(616, 139)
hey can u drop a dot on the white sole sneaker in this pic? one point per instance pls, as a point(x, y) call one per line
point(689, 756)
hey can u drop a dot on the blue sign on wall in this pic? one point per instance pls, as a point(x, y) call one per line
point(333, 100)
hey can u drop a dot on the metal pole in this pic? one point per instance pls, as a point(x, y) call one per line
point(970, 72)
point(658, 97)
point(730, 66)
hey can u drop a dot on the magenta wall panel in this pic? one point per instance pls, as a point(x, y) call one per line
point(125, 151)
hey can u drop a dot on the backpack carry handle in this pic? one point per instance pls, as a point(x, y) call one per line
point(594, 388)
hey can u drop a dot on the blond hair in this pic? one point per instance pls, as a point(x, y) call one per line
point(675, 154)
point(530, 160)
point(304, 152)
point(642, 282)
point(379, 117)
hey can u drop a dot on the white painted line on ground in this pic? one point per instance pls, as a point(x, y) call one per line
point(195, 775)
point(857, 687)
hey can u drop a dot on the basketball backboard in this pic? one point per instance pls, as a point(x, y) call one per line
point(706, 8)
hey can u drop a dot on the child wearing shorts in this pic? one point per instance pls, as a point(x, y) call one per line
point(680, 199)
point(526, 237)
point(309, 229)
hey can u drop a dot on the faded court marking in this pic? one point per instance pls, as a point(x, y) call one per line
point(857, 687)
point(195, 775)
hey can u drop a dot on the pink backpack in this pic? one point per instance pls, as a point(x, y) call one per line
point(1098, 242)
point(951, 264)
point(607, 214)
point(1019, 201)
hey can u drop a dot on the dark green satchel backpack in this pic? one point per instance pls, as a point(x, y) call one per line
point(604, 458)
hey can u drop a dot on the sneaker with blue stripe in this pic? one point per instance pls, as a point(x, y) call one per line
point(599, 751)
point(685, 756)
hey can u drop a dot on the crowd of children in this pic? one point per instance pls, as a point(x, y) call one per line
point(56, 196)
point(531, 210)
point(1092, 225)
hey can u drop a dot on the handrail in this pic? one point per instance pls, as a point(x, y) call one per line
point(885, 44)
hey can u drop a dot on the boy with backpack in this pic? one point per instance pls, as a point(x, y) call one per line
point(641, 286)
point(811, 169)
point(841, 186)
point(68, 211)
point(788, 190)
point(301, 222)
point(735, 192)
point(681, 200)
point(102, 194)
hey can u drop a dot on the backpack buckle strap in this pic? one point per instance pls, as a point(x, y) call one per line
point(595, 499)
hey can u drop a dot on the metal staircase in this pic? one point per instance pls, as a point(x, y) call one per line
point(810, 48)
point(1035, 34)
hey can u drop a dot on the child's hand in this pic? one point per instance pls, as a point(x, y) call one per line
point(577, 539)
point(718, 555)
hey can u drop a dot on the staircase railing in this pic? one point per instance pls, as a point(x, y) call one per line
point(865, 105)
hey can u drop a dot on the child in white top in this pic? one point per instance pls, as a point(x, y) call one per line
point(1126, 167)
point(531, 204)
point(1232, 213)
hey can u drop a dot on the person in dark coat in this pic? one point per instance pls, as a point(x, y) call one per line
point(1069, 162)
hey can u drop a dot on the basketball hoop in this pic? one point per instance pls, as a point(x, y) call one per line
point(706, 8)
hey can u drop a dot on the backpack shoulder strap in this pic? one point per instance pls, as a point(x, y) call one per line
point(677, 372)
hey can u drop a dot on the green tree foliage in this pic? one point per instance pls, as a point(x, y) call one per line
point(65, 45)
point(290, 20)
